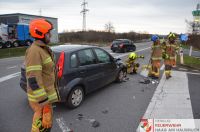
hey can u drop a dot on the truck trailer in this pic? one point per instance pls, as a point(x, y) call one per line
point(14, 35)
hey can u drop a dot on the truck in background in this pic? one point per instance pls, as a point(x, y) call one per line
point(14, 35)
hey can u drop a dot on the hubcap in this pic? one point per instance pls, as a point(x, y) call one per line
point(77, 97)
point(8, 45)
point(28, 43)
point(16, 44)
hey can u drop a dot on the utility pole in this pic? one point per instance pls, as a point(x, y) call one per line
point(84, 11)
point(40, 12)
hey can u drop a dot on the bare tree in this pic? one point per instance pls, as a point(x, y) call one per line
point(109, 27)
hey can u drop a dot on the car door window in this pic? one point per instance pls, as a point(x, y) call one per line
point(73, 61)
point(86, 57)
point(102, 56)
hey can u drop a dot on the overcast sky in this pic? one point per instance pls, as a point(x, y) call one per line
point(153, 16)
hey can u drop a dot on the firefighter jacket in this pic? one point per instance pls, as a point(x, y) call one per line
point(156, 52)
point(131, 62)
point(41, 74)
point(170, 50)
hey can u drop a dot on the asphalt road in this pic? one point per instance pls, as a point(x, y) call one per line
point(117, 107)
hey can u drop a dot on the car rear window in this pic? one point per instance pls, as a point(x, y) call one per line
point(73, 61)
point(86, 57)
point(116, 42)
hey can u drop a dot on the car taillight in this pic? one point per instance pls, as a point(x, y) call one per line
point(121, 45)
point(60, 64)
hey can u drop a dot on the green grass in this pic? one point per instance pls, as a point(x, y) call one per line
point(190, 61)
point(12, 52)
point(15, 52)
point(188, 47)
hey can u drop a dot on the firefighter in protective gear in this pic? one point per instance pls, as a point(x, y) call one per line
point(156, 57)
point(41, 76)
point(169, 53)
point(132, 66)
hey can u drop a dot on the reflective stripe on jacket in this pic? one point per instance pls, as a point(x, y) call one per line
point(156, 52)
point(40, 74)
point(170, 50)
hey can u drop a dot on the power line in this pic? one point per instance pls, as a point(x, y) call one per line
point(84, 11)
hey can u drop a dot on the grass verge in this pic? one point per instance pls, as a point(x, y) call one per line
point(190, 61)
point(15, 52)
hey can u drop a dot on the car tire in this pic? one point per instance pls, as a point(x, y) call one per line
point(134, 48)
point(75, 97)
point(1, 45)
point(8, 44)
point(28, 42)
point(120, 76)
point(124, 50)
point(15, 44)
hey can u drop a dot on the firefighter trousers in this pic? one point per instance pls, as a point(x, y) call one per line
point(38, 116)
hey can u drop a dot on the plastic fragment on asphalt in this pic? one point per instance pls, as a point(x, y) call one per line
point(125, 79)
point(95, 124)
point(80, 117)
point(148, 81)
point(105, 111)
point(145, 81)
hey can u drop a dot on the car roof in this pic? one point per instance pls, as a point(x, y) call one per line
point(70, 48)
point(122, 40)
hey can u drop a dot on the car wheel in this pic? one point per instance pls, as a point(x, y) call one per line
point(15, 43)
point(8, 44)
point(134, 48)
point(75, 97)
point(1, 45)
point(125, 50)
point(120, 76)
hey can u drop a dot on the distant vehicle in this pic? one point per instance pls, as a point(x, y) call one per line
point(14, 35)
point(122, 45)
point(83, 69)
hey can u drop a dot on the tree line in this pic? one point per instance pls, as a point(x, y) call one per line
point(194, 40)
point(100, 36)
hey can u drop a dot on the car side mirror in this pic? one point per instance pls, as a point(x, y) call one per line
point(117, 59)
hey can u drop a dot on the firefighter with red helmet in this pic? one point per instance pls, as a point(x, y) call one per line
point(41, 78)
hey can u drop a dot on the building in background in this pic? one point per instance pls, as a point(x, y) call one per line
point(19, 18)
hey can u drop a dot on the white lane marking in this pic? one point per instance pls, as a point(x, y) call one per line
point(183, 69)
point(11, 67)
point(62, 125)
point(2, 79)
point(171, 99)
point(193, 73)
point(12, 59)
point(195, 70)
point(162, 67)
point(119, 56)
